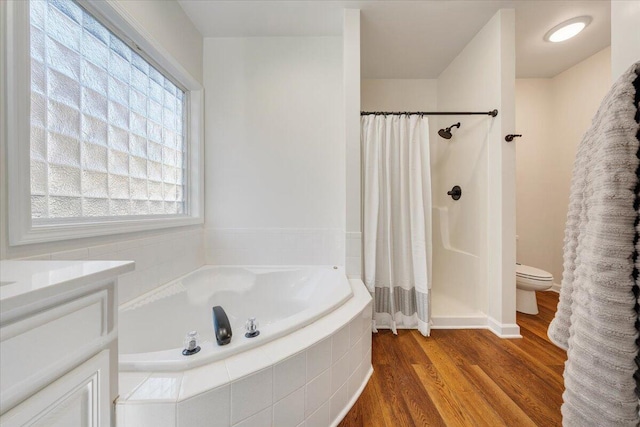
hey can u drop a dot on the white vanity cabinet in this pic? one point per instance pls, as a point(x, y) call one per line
point(78, 398)
point(58, 342)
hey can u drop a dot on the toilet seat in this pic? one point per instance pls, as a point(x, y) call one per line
point(528, 280)
point(532, 273)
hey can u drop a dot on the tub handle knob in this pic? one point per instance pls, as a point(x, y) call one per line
point(191, 343)
point(252, 328)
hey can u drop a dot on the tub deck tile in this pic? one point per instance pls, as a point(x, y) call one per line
point(251, 395)
point(247, 363)
point(204, 408)
point(128, 382)
point(202, 379)
point(158, 387)
point(289, 375)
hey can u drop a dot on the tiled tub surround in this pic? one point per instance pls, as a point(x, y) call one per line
point(159, 257)
point(310, 378)
point(353, 260)
point(275, 246)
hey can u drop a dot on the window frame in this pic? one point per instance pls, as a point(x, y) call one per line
point(22, 229)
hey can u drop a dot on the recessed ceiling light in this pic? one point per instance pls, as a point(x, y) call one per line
point(567, 29)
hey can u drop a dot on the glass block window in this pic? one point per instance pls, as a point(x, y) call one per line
point(107, 127)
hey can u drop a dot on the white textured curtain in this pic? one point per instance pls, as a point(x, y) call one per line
point(397, 220)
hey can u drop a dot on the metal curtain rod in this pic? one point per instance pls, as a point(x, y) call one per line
point(491, 113)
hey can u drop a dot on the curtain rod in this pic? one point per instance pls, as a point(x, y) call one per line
point(491, 113)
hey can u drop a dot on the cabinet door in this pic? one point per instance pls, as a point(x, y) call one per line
point(79, 398)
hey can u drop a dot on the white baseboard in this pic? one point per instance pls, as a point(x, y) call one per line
point(459, 322)
point(503, 330)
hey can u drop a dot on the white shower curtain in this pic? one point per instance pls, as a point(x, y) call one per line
point(397, 220)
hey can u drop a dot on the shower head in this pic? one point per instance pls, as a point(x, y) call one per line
point(446, 133)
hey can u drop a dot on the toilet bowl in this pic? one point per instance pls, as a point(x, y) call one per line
point(528, 281)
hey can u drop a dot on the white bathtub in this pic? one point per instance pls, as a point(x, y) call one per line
point(152, 328)
point(310, 362)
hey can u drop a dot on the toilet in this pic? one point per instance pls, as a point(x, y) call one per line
point(528, 281)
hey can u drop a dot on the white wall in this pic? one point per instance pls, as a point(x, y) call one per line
point(482, 223)
point(553, 115)
point(275, 150)
point(399, 95)
point(351, 66)
point(166, 22)
point(625, 35)
point(160, 255)
point(536, 181)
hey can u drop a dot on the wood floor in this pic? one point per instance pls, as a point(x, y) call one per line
point(465, 377)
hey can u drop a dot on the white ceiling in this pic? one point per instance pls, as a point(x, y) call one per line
point(414, 39)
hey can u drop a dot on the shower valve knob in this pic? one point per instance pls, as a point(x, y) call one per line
point(455, 193)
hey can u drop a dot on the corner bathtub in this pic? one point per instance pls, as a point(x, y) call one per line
point(313, 352)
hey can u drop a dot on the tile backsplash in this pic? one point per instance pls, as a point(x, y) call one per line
point(164, 257)
point(159, 259)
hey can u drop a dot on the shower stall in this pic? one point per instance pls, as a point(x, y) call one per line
point(471, 109)
point(397, 217)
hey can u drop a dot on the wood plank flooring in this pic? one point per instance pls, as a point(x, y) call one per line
point(465, 377)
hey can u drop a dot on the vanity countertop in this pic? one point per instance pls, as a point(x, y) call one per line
point(26, 282)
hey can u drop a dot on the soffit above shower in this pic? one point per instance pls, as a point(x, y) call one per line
point(414, 39)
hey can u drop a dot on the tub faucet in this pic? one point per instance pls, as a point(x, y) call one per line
point(221, 326)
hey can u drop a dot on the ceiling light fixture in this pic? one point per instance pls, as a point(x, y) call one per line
point(567, 29)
